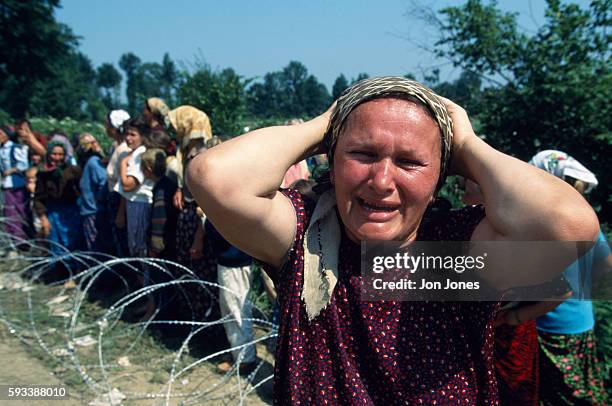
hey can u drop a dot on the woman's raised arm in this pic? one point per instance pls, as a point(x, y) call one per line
point(236, 184)
point(523, 203)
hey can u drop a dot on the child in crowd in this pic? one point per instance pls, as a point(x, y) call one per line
point(113, 124)
point(136, 190)
point(162, 243)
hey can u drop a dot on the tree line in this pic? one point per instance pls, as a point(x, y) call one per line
point(524, 91)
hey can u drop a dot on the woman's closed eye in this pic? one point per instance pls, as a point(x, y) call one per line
point(408, 163)
point(363, 154)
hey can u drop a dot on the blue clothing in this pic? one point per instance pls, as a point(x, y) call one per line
point(65, 228)
point(13, 155)
point(93, 186)
point(575, 316)
point(227, 255)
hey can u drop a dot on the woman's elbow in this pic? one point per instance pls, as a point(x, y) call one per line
point(204, 176)
point(578, 223)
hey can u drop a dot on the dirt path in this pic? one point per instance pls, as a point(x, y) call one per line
point(17, 367)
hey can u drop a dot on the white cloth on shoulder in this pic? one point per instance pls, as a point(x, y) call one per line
point(321, 252)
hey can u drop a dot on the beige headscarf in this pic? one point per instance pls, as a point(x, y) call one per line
point(322, 238)
point(189, 124)
point(157, 107)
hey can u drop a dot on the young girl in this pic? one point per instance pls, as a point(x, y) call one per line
point(136, 190)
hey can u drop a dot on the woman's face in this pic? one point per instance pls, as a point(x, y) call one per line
point(133, 139)
point(57, 155)
point(385, 171)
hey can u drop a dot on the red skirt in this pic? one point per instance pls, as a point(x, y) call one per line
point(516, 363)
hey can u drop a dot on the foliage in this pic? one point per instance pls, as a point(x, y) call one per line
point(109, 83)
point(340, 85)
point(549, 90)
point(220, 94)
point(290, 93)
point(149, 79)
point(70, 126)
point(41, 70)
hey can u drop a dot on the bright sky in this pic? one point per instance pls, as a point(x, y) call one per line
point(259, 36)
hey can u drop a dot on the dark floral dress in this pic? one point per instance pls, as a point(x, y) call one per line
point(386, 352)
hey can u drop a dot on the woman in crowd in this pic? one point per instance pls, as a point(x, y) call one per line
point(571, 373)
point(13, 163)
point(119, 149)
point(154, 113)
point(59, 137)
point(94, 193)
point(193, 131)
point(55, 200)
point(389, 143)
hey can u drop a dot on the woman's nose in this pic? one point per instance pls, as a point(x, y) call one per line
point(382, 176)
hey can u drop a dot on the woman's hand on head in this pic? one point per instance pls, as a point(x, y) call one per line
point(462, 133)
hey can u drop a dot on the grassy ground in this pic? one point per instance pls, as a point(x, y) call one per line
point(55, 324)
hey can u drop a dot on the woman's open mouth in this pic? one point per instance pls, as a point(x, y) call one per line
point(377, 207)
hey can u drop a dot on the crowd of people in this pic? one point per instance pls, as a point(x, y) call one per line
point(168, 188)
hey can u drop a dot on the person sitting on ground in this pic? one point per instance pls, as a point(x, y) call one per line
point(389, 143)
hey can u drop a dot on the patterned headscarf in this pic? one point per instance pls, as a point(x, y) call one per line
point(386, 86)
point(158, 107)
point(49, 166)
point(560, 164)
point(189, 124)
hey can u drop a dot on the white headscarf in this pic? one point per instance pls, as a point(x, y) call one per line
point(560, 164)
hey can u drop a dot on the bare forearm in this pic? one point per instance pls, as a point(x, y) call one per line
point(255, 163)
point(523, 202)
point(36, 146)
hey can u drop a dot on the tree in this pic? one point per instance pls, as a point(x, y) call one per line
point(37, 53)
point(168, 79)
point(360, 77)
point(130, 64)
point(465, 91)
point(549, 90)
point(109, 82)
point(339, 86)
point(290, 93)
point(221, 95)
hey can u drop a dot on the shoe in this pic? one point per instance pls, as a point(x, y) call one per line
point(245, 368)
